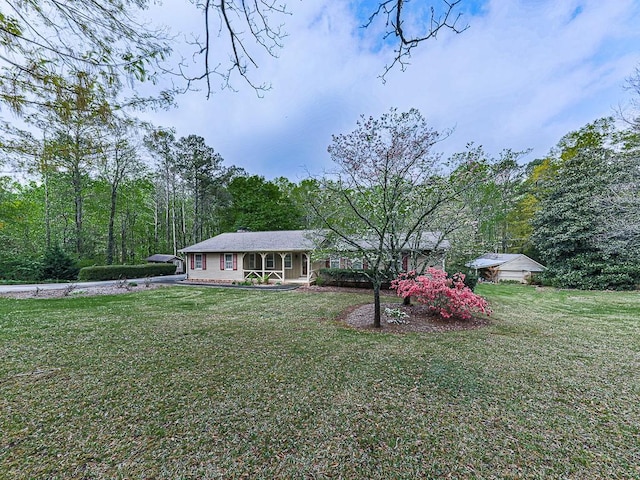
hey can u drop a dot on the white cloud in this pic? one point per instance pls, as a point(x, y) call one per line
point(524, 74)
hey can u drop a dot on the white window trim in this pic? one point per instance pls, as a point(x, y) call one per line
point(332, 261)
point(197, 261)
point(270, 261)
point(228, 261)
point(252, 261)
point(288, 257)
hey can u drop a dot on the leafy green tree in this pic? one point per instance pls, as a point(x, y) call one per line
point(58, 265)
point(571, 221)
point(204, 177)
point(389, 189)
point(118, 161)
point(260, 205)
point(44, 42)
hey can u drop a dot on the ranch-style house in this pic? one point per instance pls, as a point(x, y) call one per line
point(277, 256)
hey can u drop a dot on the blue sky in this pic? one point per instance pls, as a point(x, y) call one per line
point(522, 75)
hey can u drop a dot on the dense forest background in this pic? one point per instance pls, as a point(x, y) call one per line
point(83, 177)
point(115, 193)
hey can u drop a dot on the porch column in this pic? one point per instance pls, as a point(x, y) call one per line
point(241, 260)
point(308, 257)
point(282, 255)
point(264, 263)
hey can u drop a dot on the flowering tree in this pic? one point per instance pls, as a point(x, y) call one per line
point(447, 297)
point(391, 196)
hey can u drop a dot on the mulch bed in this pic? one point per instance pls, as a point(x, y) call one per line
point(420, 319)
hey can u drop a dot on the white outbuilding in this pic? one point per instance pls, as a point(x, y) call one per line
point(496, 267)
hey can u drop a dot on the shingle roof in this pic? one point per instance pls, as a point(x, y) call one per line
point(286, 240)
point(426, 241)
point(489, 260)
point(162, 258)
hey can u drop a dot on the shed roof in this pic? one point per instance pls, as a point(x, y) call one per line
point(162, 258)
point(489, 260)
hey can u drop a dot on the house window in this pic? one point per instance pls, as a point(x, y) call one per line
point(334, 262)
point(198, 261)
point(271, 261)
point(252, 261)
point(288, 264)
point(228, 261)
point(356, 264)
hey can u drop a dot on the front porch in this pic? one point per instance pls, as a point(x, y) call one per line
point(277, 267)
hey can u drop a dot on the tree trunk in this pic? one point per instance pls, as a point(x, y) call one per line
point(47, 206)
point(110, 233)
point(376, 303)
point(76, 181)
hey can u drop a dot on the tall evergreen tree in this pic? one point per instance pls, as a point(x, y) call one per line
point(570, 221)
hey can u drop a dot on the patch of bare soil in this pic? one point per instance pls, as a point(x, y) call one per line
point(75, 291)
point(418, 319)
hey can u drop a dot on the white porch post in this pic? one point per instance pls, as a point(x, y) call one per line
point(264, 263)
point(308, 267)
point(282, 255)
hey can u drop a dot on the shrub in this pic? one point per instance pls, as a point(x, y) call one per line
point(119, 272)
point(470, 279)
point(347, 277)
point(19, 268)
point(58, 265)
point(447, 297)
point(396, 316)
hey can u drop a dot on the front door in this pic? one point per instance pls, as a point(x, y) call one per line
point(305, 267)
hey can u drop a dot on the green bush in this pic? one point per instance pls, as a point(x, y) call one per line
point(470, 277)
point(58, 265)
point(19, 268)
point(346, 277)
point(119, 272)
point(588, 274)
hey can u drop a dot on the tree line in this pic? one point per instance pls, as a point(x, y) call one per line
point(125, 191)
point(95, 182)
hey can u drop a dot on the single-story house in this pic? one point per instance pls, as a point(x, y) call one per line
point(497, 267)
point(165, 258)
point(279, 256)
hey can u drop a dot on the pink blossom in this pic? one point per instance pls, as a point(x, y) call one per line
point(447, 297)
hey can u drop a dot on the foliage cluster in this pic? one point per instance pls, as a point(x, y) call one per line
point(118, 272)
point(345, 277)
point(54, 264)
point(446, 296)
point(58, 265)
point(586, 228)
point(470, 278)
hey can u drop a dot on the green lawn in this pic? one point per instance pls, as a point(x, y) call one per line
point(214, 383)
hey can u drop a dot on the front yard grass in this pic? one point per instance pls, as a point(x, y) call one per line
point(187, 382)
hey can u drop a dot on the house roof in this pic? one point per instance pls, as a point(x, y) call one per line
point(489, 260)
point(162, 258)
point(426, 241)
point(285, 240)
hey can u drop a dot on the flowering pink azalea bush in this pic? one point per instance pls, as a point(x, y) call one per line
point(448, 297)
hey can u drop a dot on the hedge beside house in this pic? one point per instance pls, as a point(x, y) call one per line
point(346, 277)
point(120, 272)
